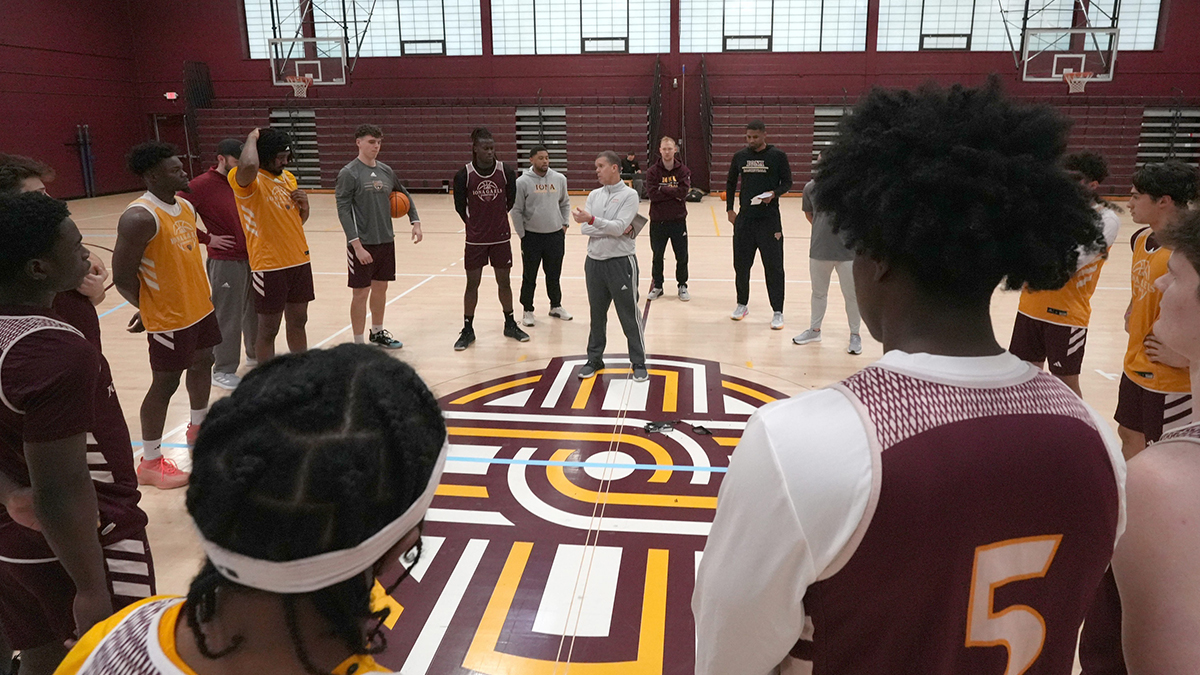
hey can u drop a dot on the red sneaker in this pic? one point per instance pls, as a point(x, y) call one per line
point(162, 473)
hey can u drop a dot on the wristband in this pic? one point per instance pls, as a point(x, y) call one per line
point(592, 221)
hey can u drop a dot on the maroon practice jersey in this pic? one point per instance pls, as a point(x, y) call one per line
point(54, 384)
point(77, 309)
point(994, 520)
point(487, 206)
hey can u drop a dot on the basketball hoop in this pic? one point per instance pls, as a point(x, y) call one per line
point(1077, 81)
point(299, 84)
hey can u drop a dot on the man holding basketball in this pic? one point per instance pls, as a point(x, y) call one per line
point(364, 191)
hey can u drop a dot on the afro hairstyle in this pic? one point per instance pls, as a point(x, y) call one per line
point(960, 187)
point(142, 158)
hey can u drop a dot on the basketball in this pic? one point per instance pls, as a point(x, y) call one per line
point(399, 204)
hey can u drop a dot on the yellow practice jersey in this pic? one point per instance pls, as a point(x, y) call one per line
point(140, 640)
point(174, 291)
point(1071, 305)
point(271, 220)
point(1149, 263)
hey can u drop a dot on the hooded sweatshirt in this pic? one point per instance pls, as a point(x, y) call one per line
point(613, 207)
point(667, 189)
point(542, 205)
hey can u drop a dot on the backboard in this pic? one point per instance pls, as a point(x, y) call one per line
point(322, 59)
point(1049, 53)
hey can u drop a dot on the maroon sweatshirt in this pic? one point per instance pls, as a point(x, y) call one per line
point(214, 201)
point(667, 190)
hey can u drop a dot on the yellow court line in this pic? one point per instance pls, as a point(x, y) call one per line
point(670, 394)
point(658, 452)
point(485, 655)
point(476, 491)
point(715, 225)
point(381, 600)
point(747, 391)
point(559, 481)
point(727, 441)
point(475, 395)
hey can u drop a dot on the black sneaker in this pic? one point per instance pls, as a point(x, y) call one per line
point(514, 331)
point(588, 371)
point(465, 338)
point(384, 339)
point(640, 374)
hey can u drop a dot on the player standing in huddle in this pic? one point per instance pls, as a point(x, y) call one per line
point(766, 176)
point(541, 215)
point(667, 183)
point(273, 212)
point(64, 450)
point(1053, 325)
point(484, 192)
point(364, 192)
point(923, 515)
point(228, 264)
point(158, 269)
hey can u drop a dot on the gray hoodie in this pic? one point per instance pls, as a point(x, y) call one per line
point(542, 204)
point(613, 207)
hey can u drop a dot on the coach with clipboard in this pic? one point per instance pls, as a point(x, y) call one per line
point(612, 224)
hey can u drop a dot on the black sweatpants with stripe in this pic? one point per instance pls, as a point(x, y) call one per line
point(614, 282)
point(764, 237)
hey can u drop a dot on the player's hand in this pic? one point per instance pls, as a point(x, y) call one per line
point(90, 608)
point(19, 505)
point(221, 242)
point(93, 285)
point(135, 324)
point(300, 197)
point(1160, 353)
point(417, 235)
point(364, 256)
point(581, 216)
point(253, 135)
point(732, 216)
point(628, 231)
point(769, 198)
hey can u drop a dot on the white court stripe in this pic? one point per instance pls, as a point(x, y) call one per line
point(736, 406)
point(566, 609)
point(434, 630)
point(699, 557)
point(699, 381)
point(429, 550)
point(95, 457)
point(473, 451)
point(91, 440)
point(128, 590)
point(517, 400)
point(128, 567)
point(616, 398)
point(466, 517)
point(128, 546)
point(102, 476)
point(421, 283)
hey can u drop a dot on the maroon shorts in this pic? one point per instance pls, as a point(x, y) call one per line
point(278, 288)
point(479, 256)
point(381, 268)
point(36, 599)
point(174, 351)
point(1150, 412)
point(1040, 341)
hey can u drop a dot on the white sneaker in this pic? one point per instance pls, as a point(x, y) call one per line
point(228, 381)
point(527, 318)
point(740, 312)
point(807, 336)
point(683, 293)
point(855, 345)
point(560, 313)
point(777, 321)
point(654, 294)
point(251, 363)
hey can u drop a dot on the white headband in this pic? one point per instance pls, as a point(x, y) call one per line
point(321, 571)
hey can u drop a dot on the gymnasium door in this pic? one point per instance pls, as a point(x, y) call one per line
point(173, 129)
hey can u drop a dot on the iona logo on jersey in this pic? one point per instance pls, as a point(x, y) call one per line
point(487, 190)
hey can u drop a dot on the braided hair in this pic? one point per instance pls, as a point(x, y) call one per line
point(313, 452)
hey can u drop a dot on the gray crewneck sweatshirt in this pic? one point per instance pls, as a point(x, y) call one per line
point(543, 205)
point(614, 207)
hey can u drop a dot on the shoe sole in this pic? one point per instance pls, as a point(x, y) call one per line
point(739, 318)
point(399, 346)
point(564, 318)
point(518, 339)
point(464, 347)
point(805, 342)
point(855, 353)
point(587, 377)
point(779, 327)
point(226, 387)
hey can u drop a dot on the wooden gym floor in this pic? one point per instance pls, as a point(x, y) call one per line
point(523, 572)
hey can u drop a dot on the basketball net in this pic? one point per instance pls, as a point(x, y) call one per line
point(299, 84)
point(1077, 81)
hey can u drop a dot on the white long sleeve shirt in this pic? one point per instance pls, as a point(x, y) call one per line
point(613, 207)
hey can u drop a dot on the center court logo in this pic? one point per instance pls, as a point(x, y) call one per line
point(563, 533)
point(487, 190)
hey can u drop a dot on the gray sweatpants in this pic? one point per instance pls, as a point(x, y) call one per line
point(820, 272)
point(230, 280)
point(614, 282)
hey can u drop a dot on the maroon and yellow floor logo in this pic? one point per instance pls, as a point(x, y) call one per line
point(564, 534)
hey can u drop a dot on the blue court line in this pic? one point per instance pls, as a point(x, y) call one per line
point(547, 462)
point(114, 309)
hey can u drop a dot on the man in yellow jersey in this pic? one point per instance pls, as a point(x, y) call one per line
point(158, 268)
point(1155, 387)
point(273, 213)
point(1052, 325)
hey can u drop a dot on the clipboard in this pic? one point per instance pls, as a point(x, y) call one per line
point(639, 223)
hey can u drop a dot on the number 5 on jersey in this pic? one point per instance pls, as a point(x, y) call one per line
point(1019, 628)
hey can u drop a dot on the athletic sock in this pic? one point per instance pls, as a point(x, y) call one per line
point(468, 322)
point(198, 416)
point(376, 329)
point(151, 450)
point(359, 340)
point(508, 318)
